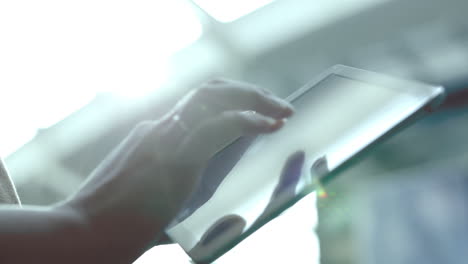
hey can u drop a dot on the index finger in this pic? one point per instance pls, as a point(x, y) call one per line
point(228, 95)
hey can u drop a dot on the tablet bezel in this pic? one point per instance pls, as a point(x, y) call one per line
point(418, 89)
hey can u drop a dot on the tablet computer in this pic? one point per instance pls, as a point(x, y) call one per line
point(339, 116)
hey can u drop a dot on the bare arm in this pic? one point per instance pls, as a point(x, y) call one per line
point(30, 234)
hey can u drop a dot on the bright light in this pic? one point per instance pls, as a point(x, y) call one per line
point(228, 10)
point(55, 56)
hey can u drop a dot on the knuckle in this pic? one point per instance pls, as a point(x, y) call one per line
point(200, 92)
point(233, 116)
point(143, 128)
point(215, 81)
point(204, 90)
point(253, 87)
point(266, 91)
point(144, 125)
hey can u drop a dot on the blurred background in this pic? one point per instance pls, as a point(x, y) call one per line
point(76, 76)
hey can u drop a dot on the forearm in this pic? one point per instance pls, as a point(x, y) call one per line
point(54, 235)
point(37, 233)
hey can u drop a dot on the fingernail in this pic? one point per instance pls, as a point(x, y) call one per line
point(277, 123)
point(271, 121)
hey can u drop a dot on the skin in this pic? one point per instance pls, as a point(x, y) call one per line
point(130, 198)
point(231, 227)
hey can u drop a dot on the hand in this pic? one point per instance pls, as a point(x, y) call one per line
point(135, 192)
point(223, 231)
point(286, 188)
point(214, 173)
point(231, 226)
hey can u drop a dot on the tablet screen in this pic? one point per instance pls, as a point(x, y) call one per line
point(251, 178)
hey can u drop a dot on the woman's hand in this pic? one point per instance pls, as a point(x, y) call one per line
point(230, 227)
point(137, 190)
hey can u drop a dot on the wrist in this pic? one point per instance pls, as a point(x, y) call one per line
point(92, 239)
point(109, 235)
point(72, 219)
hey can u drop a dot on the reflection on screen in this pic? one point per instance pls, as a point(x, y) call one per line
point(333, 120)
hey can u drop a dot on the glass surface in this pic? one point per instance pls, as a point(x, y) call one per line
point(253, 177)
